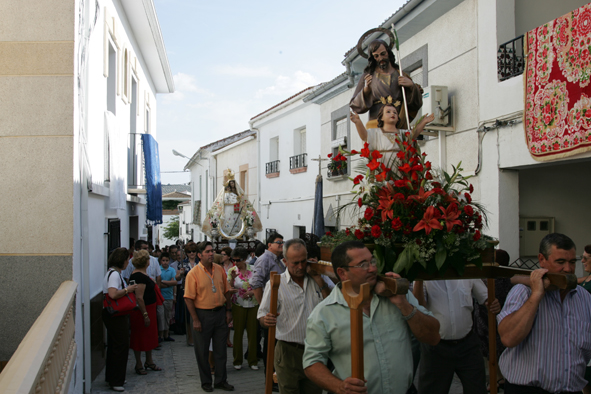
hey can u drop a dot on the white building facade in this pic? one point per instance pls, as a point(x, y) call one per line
point(81, 112)
point(454, 43)
point(288, 138)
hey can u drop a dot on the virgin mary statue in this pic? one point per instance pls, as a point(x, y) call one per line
point(231, 214)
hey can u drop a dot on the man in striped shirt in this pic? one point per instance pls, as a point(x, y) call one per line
point(298, 294)
point(547, 332)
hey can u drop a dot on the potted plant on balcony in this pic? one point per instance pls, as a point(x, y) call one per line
point(417, 220)
point(338, 164)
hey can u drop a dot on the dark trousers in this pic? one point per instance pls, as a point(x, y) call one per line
point(117, 348)
point(245, 319)
point(517, 389)
point(213, 328)
point(438, 364)
point(290, 371)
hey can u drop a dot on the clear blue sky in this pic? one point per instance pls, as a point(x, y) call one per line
point(232, 60)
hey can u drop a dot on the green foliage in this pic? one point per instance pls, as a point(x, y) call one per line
point(171, 230)
point(170, 204)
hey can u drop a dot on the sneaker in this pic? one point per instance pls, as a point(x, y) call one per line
point(254, 367)
point(224, 386)
point(117, 388)
point(169, 339)
point(237, 367)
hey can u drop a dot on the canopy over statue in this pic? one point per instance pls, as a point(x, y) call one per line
point(231, 216)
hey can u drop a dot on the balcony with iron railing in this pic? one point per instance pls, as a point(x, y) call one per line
point(45, 359)
point(272, 169)
point(298, 163)
point(510, 59)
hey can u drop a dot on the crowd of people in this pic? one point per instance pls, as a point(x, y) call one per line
point(426, 336)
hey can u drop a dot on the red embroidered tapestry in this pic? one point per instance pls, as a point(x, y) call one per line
point(557, 112)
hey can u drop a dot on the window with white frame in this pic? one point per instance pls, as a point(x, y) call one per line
point(340, 132)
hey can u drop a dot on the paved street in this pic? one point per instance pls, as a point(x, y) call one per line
point(180, 373)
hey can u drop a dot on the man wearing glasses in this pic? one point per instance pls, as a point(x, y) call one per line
point(298, 294)
point(387, 327)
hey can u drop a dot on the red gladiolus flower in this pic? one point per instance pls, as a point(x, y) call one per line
point(428, 176)
point(405, 168)
point(354, 152)
point(396, 224)
point(471, 188)
point(357, 179)
point(429, 221)
point(373, 165)
point(469, 210)
point(368, 213)
point(450, 216)
point(400, 183)
point(477, 235)
point(365, 150)
point(428, 165)
point(417, 167)
point(330, 155)
point(468, 197)
point(376, 231)
point(376, 154)
point(343, 158)
point(400, 155)
point(360, 202)
point(359, 234)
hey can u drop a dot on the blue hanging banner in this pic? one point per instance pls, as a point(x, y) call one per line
point(153, 183)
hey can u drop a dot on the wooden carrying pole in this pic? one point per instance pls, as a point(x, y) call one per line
point(275, 280)
point(355, 301)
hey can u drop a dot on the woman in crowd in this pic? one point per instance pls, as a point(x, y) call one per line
point(144, 328)
point(188, 264)
point(244, 308)
point(117, 326)
point(226, 259)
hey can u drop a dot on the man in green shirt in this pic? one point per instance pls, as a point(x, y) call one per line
point(387, 327)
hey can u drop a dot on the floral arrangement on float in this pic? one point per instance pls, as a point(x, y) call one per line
point(417, 220)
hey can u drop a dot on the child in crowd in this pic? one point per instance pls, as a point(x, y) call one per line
point(169, 293)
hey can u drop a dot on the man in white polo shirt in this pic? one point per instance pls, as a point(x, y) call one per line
point(298, 294)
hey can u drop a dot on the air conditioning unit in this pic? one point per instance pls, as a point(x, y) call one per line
point(436, 101)
point(531, 232)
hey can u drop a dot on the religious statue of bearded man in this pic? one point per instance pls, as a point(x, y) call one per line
point(231, 213)
point(381, 79)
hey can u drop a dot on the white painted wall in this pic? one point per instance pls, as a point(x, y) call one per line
point(288, 200)
point(202, 190)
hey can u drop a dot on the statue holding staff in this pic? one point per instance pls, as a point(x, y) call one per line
point(381, 78)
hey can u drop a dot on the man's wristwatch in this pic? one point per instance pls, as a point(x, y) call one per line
point(411, 314)
point(145, 314)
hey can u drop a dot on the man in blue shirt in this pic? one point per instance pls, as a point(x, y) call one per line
point(547, 332)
